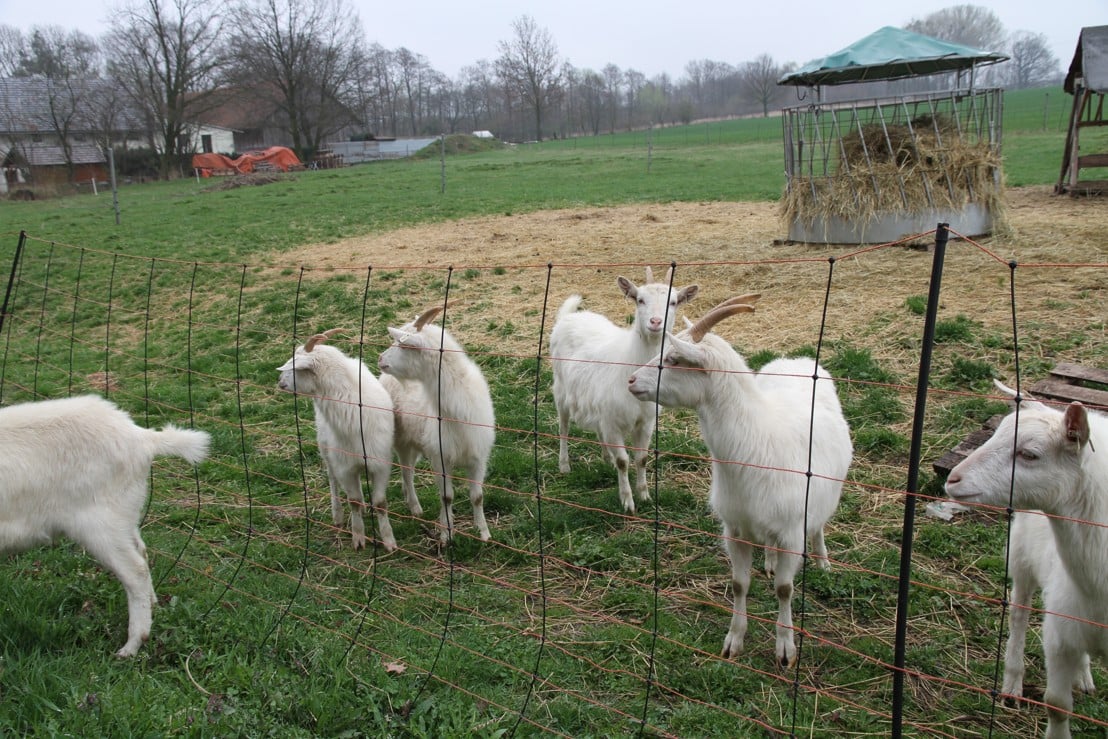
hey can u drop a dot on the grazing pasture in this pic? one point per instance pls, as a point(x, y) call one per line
point(576, 618)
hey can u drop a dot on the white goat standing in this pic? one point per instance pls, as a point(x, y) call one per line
point(414, 432)
point(1033, 563)
point(354, 428)
point(591, 357)
point(1044, 459)
point(79, 467)
point(758, 430)
point(463, 423)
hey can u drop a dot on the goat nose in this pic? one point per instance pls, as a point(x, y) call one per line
point(954, 478)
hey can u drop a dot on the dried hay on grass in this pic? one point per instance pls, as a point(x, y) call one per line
point(891, 169)
point(728, 248)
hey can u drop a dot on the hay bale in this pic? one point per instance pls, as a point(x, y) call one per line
point(896, 169)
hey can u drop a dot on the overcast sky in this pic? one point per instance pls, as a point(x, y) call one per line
point(646, 35)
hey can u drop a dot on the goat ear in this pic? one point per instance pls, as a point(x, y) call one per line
point(629, 288)
point(298, 361)
point(397, 334)
point(1027, 400)
point(1077, 423)
point(687, 293)
point(689, 352)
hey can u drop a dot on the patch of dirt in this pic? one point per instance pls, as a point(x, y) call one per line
point(515, 268)
point(245, 180)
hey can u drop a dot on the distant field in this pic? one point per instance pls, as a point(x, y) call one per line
point(734, 160)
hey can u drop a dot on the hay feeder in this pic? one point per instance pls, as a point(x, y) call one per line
point(876, 169)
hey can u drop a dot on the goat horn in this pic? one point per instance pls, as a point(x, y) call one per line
point(725, 309)
point(748, 299)
point(321, 338)
point(669, 275)
point(426, 316)
point(649, 274)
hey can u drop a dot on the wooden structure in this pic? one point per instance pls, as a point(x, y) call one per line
point(1087, 81)
point(1067, 382)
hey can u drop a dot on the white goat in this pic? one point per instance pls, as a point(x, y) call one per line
point(757, 428)
point(414, 433)
point(1033, 564)
point(354, 428)
point(1043, 458)
point(591, 357)
point(79, 467)
point(462, 428)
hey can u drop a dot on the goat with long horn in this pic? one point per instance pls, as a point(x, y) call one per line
point(780, 450)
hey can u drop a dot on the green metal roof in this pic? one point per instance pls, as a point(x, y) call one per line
point(889, 53)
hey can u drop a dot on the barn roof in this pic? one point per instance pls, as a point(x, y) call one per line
point(25, 104)
point(1090, 61)
point(889, 53)
point(52, 155)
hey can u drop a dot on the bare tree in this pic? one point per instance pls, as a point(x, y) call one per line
point(529, 65)
point(636, 81)
point(613, 79)
point(11, 49)
point(305, 59)
point(479, 96)
point(1031, 62)
point(54, 53)
point(379, 103)
point(166, 54)
point(414, 73)
point(60, 65)
point(759, 79)
point(969, 25)
point(591, 86)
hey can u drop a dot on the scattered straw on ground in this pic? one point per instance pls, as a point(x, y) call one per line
point(730, 248)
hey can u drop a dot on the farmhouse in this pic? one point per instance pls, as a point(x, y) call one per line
point(53, 132)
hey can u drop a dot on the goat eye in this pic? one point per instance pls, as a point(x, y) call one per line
point(1027, 455)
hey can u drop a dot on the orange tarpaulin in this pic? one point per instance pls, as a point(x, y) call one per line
point(279, 157)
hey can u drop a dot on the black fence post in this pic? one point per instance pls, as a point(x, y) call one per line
point(941, 236)
point(11, 279)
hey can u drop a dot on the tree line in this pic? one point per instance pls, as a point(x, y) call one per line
point(169, 61)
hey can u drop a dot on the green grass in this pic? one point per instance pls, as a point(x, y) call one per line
point(269, 625)
point(735, 160)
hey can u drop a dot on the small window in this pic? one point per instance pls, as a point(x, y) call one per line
point(206, 143)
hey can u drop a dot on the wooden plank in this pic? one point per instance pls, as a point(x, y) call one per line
point(1060, 390)
point(944, 464)
point(1092, 160)
point(1078, 373)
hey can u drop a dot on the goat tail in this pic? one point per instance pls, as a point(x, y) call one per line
point(569, 306)
point(171, 441)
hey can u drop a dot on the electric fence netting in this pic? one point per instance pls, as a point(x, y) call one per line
point(576, 617)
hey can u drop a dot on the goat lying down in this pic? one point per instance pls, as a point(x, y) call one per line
point(78, 467)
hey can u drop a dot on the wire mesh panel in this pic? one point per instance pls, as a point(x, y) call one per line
point(878, 169)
